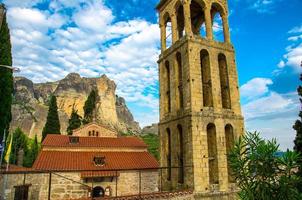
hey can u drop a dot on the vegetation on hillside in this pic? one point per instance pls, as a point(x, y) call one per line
point(6, 79)
point(261, 174)
point(152, 141)
point(74, 122)
point(89, 107)
point(22, 145)
point(52, 125)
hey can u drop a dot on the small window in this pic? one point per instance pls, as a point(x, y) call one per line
point(99, 160)
point(89, 133)
point(73, 140)
point(97, 133)
point(93, 133)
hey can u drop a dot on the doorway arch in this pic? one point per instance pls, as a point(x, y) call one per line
point(98, 191)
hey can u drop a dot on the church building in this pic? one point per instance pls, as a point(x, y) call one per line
point(93, 162)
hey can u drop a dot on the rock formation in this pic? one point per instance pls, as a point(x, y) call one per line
point(30, 104)
point(150, 129)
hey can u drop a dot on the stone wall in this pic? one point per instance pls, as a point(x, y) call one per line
point(71, 186)
point(203, 124)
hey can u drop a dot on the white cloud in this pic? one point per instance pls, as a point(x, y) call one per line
point(293, 55)
point(47, 45)
point(255, 88)
point(264, 6)
point(95, 17)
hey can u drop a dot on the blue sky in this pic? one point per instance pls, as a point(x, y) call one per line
point(121, 39)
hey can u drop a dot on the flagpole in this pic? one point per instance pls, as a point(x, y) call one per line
point(3, 148)
point(7, 165)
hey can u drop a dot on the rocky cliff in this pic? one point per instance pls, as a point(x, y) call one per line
point(30, 106)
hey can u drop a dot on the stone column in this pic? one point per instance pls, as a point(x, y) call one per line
point(226, 31)
point(208, 18)
point(187, 17)
point(162, 27)
point(174, 28)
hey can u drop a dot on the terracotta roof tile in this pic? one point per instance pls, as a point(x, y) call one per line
point(54, 140)
point(68, 160)
point(15, 168)
point(90, 174)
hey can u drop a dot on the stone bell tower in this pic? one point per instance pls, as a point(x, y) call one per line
point(200, 114)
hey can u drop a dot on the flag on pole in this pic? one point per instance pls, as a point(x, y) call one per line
point(9, 149)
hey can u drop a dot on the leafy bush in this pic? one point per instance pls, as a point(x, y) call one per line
point(261, 174)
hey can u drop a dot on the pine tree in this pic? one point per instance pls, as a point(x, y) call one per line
point(52, 125)
point(89, 107)
point(6, 78)
point(74, 121)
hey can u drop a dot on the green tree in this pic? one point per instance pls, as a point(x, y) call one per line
point(260, 173)
point(74, 122)
point(298, 140)
point(19, 143)
point(6, 78)
point(52, 125)
point(89, 107)
point(31, 153)
point(298, 124)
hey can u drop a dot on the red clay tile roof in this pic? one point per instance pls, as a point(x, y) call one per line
point(91, 174)
point(68, 160)
point(15, 168)
point(53, 140)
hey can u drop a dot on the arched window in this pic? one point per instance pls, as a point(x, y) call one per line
point(97, 133)
point(89, 133)
point(181, 155)
point(212, 154)
point(224, 82)
point(229, 140)
point(98, 192)
point(179, 81)
point(180, 21)
point(168, 27)
point(217, 22)
point(169, 161)
point(93, 133)
point(206, 78)
point(168, 94)
point(197, 18)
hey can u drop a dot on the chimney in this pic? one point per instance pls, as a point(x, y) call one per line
point(2, 13)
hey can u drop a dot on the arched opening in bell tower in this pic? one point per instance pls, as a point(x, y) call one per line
point(198, 18)
point(168, 154)
point(212, 154)
point(168, 94)
point(229, 143)
point(180, 20)
point(180, 155)
point(179, 80)
point(168, 30)
point(206, 78)
point(217, 22)
point(224, 82)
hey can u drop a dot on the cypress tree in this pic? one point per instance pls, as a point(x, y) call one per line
point(298, 140)
point(52, 125)
point(89, 107)
point(298, 124)
point(74, 121)
point(6, 77)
